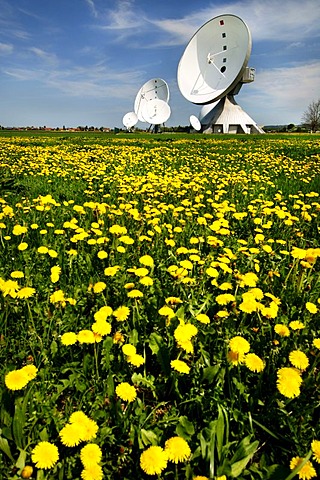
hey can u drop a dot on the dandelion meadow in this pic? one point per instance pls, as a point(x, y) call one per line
point(160, 302)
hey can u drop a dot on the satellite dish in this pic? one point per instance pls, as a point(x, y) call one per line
point(195, 122)
point(129, 120)
point(153, 89)
point(214, 60)
point(156, 111)
point(213, 68)
point(205, 109)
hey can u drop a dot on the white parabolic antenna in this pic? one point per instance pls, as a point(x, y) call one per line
point(156, 111)
point(214, 66)
point(153, 89)
point(195, 122)
point(130, 119)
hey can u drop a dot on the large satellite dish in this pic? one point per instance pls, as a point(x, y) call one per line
point(213, 67)
point(153, 89)
point(156, 111)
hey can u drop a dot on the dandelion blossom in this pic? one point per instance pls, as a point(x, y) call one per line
point(129, 349)
point(289, 381)
point(136, 360)
point(16, 379)
point(153, 460)
point(298, 359)
point(135, 294)
point(90, 454)
point(254, 363)
point(121, 313)
point(306, 472)
point(180, 366)
point(45, 455)
point(69, 338)
point(126, 392)
point(315, 447)
point(72, 434)
point(99, 287)
point(316, 343)
point(92, 472)
point(30, 370)
point(85, 336)
point(311, 307)
point(177, 449)
point(203, 318)
point(282, 330)
point(147, 261)
point(296, 325)
point(26, 292)
point(239, 345)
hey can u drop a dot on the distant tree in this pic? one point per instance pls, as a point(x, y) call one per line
point(311, 116)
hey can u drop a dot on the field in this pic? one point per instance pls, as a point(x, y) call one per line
point(160, 299)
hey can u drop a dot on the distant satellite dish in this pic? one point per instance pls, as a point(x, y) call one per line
point(195, 122)
point(156, 111)
point(153, 89)
point(130, 119)
point(213, 68)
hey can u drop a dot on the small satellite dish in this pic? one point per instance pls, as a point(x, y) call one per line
point(195, 123)
point(153, 89)
point(156, 111)
point(129, 120)
point(214, 60)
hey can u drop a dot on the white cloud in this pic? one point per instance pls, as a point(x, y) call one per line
point(43, 55)
point(6, 48)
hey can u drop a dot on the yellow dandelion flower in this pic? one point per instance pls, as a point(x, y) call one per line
point(201, 477)
point(239, 345)
point(316, 343)
point(146, 281)
point(129, 349)
point(282, 330)
point(135, 294)
point(102, 255)
point(99, 287)
point(166, 311)
point(153, 460)
point(185, 331)
point(111, 271)
point(180, 366)
point(17, 274)
point(121, 313)
point(101, 327)
point(315, 447)
point(126, 392)
point(69, 338)
point(92, 472)
point(30, 370)
point(235, 358)
point(72, 434)
point(103, 313)
point(225, 298)
point(306, 472)
point(85, 336)
point(16, 379)
point(254, 363)
point(311, 307)
point(203, 318)
point(118, 337)
point(298, 359)
point(147, 261)
point(90, 454)
point(296, 325)
point(177, 449)
point(45, 455)
point(289, 382)
point(136, 360)
point(26, 292)
point(23, 246)
point(27, 471)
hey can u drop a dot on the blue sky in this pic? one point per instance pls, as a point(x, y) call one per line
point(82, 62)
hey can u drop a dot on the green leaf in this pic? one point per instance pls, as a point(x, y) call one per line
point(148, 437)
point(238, 466)
point(4, 446)
point(19, 420)
point(53, 348)
point(185, 429)
point(244, 449)
point(21, 459)
point(155, 342)
point(220, 430)
point(210, 373)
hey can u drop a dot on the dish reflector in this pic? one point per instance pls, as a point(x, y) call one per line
point(130, 119)
point(156, 111)
point(195, 122)
point(153, 89)
point(214, 60)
